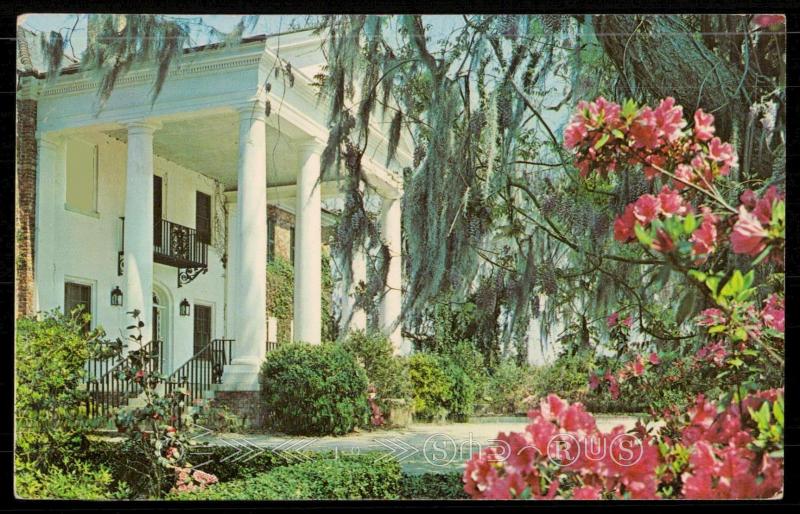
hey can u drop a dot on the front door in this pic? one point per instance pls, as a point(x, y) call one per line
point(202, 327)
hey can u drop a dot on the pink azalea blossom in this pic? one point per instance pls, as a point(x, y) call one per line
point(646, 208)
point(684, 172)
point(768, 20)
point(704, 239)
point(623, 225)
point(638, 366)
point(748, 236)
point(669, 119)
point(575, 133)
point(703, 125)
point(763, 206)
point(654, 360)
point(628, 322)
point(671, 202)
point(612, 320)
point(774, 313)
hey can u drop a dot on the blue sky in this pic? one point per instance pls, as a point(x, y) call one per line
point(440, 25)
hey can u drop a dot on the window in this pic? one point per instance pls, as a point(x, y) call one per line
point(202, 327)
point(81, 177)
point(270, 240)
point(78, 296)
point(202, 217)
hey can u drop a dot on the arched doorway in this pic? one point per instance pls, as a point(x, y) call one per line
point(162, 327)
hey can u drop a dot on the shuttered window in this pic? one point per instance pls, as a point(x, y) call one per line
point(78, 296)
point(203, 217)
point(81, 194)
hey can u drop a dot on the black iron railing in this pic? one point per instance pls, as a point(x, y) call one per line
point(178, 246)
point(114, 388)
point(203, 369)
point(173, 245)
point(107, 357)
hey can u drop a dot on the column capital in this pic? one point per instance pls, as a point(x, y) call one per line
point(253, 108)
point(313, 145)
point(141, 126)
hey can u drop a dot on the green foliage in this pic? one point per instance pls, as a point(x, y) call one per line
point(220, 419)
point(280, 297)
point(508, 387)
point(463, 391)
point(385, 371)
point(51, 353)
point(368, 476)
point(72, 480)
point(432, 387)
point(313, 390)
point(433, 486)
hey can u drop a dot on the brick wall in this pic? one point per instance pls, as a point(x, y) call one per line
point(25, 201)
point(245, 404)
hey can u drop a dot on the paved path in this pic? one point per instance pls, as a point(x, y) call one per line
point(421, 447)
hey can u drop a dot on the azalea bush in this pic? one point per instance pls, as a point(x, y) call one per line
point(731, 447)
point(152, 429)
point(702, 454)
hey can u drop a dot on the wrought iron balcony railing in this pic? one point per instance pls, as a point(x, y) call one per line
point(173, 245)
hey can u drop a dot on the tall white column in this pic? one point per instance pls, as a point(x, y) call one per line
point(308, 248)
point(231, 277)
point(50, 199)
point(391, 304)
point(139, 223)
point(250, 303)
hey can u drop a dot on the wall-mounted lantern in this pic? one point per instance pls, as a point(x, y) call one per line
point(185, 307)
point(116, 296)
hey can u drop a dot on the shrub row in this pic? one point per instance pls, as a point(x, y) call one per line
point(433, 486)
point(368, 476)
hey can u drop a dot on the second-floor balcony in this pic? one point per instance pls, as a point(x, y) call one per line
point(177, 246)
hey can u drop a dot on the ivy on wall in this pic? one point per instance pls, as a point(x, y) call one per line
point(280, 297)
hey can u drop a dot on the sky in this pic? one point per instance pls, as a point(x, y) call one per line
point(441, 25)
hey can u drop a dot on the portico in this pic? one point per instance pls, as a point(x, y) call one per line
point(208, 134)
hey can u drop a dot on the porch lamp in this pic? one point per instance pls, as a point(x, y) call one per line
point(116, 296)
point(185, 307)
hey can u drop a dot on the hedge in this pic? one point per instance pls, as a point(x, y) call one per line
point(369, 476)
point(433, 486)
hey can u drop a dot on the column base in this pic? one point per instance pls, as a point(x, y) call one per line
point(240, 376)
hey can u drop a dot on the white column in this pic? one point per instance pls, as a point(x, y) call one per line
point(391, 304)
point(50, 199)
point(250, 302)
point(139, 224)
point(308, 248)
point(231, 298)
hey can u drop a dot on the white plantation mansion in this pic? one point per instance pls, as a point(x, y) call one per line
point(173, 208)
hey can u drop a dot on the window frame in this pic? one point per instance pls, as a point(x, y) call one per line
point(202, 306)
point(68, 280)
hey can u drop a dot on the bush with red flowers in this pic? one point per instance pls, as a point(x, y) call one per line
point(728, 448)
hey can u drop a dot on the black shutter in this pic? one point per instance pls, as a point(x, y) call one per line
point(158, 212)
point(203, 217)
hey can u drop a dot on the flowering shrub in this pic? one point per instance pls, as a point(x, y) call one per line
point(562, 454)
point(732, 448)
